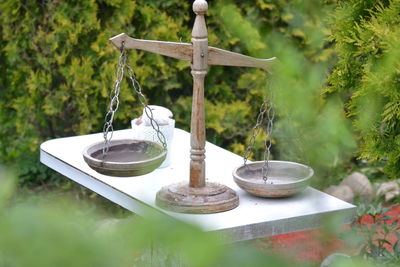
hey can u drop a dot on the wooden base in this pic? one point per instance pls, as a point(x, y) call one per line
point(212, 198)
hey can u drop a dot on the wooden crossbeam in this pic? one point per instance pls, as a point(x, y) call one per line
point(184, 51)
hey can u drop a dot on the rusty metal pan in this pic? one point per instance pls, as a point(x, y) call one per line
point(125, 157)
point(285, 178)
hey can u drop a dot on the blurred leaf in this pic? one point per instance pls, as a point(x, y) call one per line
point(7, 186)
point(385, 217)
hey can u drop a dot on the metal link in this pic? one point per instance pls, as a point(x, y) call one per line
point(147, 109)
point(266, 108)
point(268, 138)
point(108, 129)
point(255, 131)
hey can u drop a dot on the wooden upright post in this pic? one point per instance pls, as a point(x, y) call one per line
point(198, 196)
point(199, 71)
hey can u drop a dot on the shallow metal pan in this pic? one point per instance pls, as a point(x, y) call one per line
point(125, 157)
point(285, 178)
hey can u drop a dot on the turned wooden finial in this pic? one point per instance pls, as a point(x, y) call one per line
point(200, 7)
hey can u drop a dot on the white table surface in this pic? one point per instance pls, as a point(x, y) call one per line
point(254, 218)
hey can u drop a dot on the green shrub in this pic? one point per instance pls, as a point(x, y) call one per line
point(367, 76)
point(58, 68)
point(54, 231)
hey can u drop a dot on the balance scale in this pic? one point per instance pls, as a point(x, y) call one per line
point(137, 157)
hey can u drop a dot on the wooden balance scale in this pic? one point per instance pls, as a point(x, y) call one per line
point(199, 195)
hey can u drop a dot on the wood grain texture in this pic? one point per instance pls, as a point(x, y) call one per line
point(211, 198)
point(199, 71)
point(184, 51)
point(219, 56)
point(170, 49)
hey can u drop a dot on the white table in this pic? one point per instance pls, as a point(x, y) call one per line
point(254, 218)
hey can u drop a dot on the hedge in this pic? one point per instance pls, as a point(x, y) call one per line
point(58, 67)
point(367, 76)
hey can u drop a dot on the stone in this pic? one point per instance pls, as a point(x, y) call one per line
point(342, 192)
point(388, 189)
point(360, 185)
point(335, 259)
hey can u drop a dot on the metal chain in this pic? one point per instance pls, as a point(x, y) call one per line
point(268, 139)
point(266, 107)
point(255, 131)
point(147, 109)
point(108, 129)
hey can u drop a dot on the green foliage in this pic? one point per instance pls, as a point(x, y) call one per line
point(58, 67)
point(366, 36)
point(373, 239)
point(308, 128)
point(44, 230)
point(62, 232)
point(311, 129)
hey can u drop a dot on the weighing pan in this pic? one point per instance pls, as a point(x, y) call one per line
point(125, 157)
point(285, 178)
